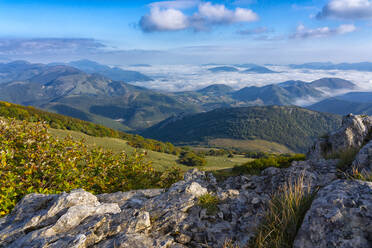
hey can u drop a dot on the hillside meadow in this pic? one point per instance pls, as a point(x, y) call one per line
point(160, 161)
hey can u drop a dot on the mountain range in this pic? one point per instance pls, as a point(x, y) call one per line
point(114, 73)
point(94, 97)
point(250, 69)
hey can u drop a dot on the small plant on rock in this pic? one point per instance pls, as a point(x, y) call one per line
point(209, 202)
point(361, 175)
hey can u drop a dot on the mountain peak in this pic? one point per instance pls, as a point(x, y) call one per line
point(216, 89)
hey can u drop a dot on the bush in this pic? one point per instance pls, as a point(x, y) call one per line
point(209, 202)
point(256, 155)
point(32, 161)
point(258, 165)
point(285, 214)
point(191, 159)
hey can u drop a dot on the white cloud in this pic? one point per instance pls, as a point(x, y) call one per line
point(167, 16)
point(347, 9)
point(245, 15)
point(164, 20)
point(302, 32)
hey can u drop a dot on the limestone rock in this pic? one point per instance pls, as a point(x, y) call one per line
point(353, 133)
point(155, 218)
point(363, 160)
point(340, 216)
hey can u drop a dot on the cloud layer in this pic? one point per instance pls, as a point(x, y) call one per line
point(347, 9)
point(168, 16)
point(303, 33)
point(189, 77)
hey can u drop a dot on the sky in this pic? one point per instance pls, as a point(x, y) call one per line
point(120, 32)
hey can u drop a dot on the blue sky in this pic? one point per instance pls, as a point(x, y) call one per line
point(181, 31)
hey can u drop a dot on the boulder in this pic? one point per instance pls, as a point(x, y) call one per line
point(340, 216)
point(353, 133)
point(363, 160)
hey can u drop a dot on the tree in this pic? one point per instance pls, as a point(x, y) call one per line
point(191, 159)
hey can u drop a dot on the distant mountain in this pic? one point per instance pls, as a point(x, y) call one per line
point(259, 70)
point(354, 102)
point(289, 92)
point(249, 65)
point(223, 69)
point(67, 90)
point(18, 70)
point(333, 83)
point(293, 127)
point(286, 93)
point(342, 107)
point(363, 97)
point(363, 66)
point(114, 73)
point(216, 89)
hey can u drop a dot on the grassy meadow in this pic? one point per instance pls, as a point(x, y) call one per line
point(160, 161)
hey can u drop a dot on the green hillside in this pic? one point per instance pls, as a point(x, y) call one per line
point(294, 127)
point(58, 121)
point(160, 161)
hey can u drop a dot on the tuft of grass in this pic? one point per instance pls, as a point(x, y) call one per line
point(284, 216)
point(209, 202)
point(346, 157)
point(230, 244)
point(361, 175)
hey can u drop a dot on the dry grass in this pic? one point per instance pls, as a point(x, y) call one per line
point(285, 214)
point(230, 244)
point(361, 175)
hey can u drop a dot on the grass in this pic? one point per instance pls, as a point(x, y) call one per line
point(250, 145)
point(346, 157)
point(285, 214)
point(361, 175)
point(209, 202)
point(160, 161)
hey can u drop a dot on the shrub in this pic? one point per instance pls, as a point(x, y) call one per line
point(32, 161)
point(191, 159)
point(284, 216)
point(209, 202)
point(256, 155)
point(256, 166)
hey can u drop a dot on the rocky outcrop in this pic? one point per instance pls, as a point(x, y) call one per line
point(354, 132)
point(363, 160)
point(154, 218)
point(340, 216)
